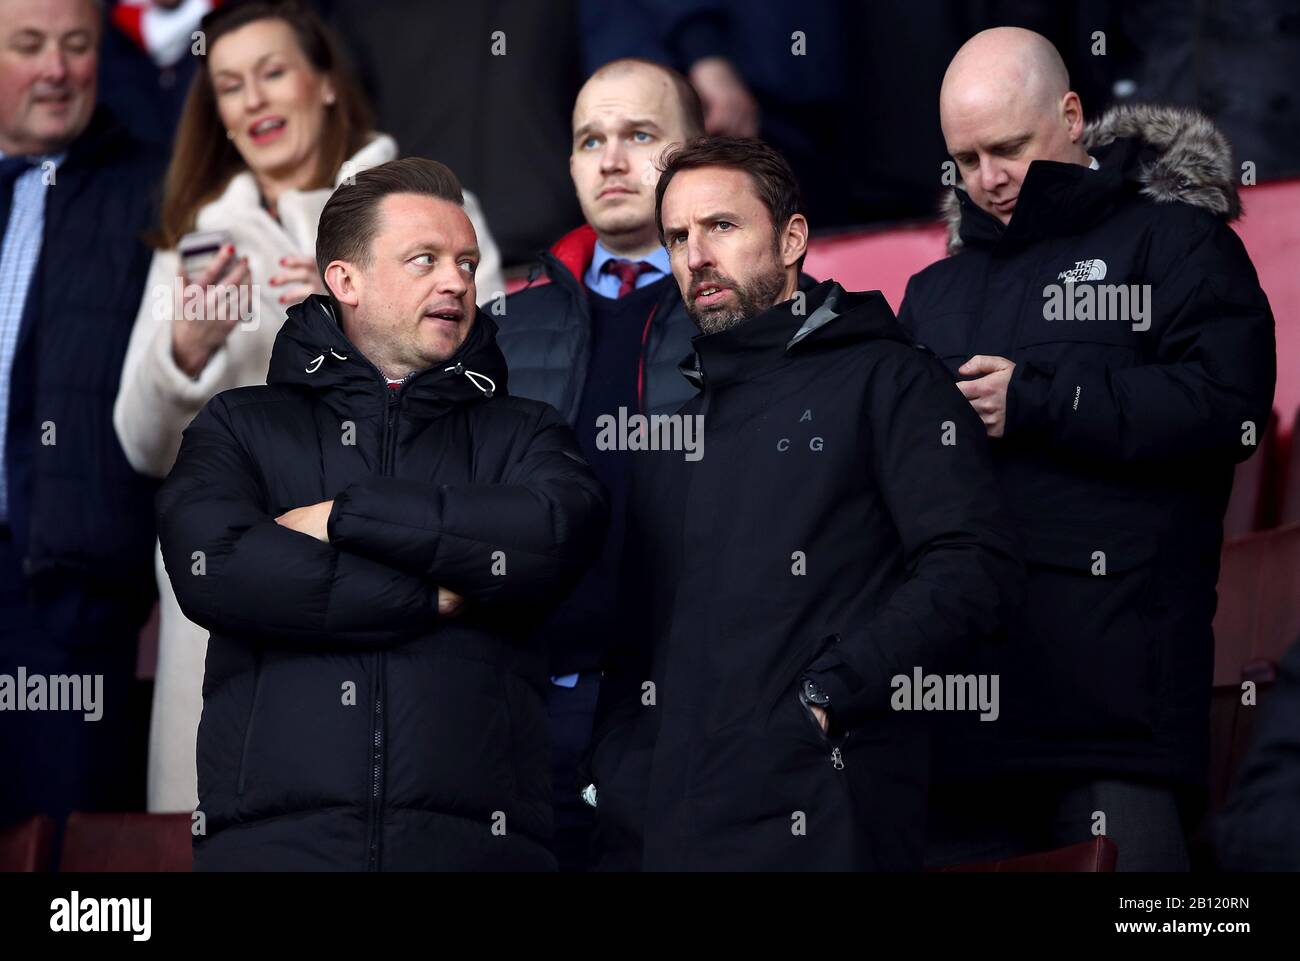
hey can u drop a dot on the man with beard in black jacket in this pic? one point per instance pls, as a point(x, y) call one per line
point(818, 525)
point(1108, 327)
point(319, 526)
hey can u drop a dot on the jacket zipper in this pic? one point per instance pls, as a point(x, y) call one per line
point(375, 820)
point(837, 755)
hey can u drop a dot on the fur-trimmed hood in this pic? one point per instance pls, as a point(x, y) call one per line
point(1187, 159)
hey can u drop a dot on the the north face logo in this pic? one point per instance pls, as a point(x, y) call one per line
point(1084, 270)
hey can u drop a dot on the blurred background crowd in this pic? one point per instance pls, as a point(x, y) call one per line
point(856, 114)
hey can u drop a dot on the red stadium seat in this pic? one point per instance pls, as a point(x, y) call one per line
point(1289, 498)
point(1259, 601)
point(1279, 592)
point(1236, 622)
point(1257, 620)
point(1095, 856)
point(127, 842)
point(26, 846)
point(1270, 230)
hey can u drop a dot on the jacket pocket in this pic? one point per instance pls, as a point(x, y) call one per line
point(1081, 659)
point(1105, 343)
point(784, 683)
point(248, 728)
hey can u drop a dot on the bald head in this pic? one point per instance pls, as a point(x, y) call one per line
point(670, 85)
point(1006, 102)
point(1005, 64)
point(626, 114)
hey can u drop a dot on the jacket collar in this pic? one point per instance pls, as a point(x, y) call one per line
point(568, 260)
point(312, 352)
point(1166, 154)
point(657, 258)
point(1055, 199)
point(828, 317)
point(575, 250)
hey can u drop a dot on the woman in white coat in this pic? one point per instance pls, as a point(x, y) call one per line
point(272, 124)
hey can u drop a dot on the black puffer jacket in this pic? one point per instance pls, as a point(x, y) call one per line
point(546, 335)
point(344, 726)
point(842, 522)
point(1121, 433)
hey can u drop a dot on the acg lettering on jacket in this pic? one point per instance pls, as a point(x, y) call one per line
point(815, 442)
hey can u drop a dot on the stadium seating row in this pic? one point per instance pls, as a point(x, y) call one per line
point(161, 842)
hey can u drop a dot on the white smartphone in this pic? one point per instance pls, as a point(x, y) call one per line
point(198, 250)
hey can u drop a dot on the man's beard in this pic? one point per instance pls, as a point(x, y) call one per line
point(750, 300)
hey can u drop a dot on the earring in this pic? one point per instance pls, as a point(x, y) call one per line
point(230, 135)
point(329, 101)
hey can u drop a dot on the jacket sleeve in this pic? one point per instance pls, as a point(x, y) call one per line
point(489, 281)
point(156, 399)
point(905, 318)
point(1211, 376)
point(525, 539)
point(236, 571)
point(963, 575)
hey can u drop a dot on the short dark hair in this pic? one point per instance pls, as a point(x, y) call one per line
point(773, 178)
point(350, 220)
point(688, 100)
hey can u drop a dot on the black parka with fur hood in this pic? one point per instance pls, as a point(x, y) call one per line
point(1145, 367)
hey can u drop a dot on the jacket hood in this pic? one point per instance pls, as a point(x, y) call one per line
point(312, 352)
point(826, 318)
point(1180, 156)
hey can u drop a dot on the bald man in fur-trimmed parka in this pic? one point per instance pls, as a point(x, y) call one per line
point(1108, 327)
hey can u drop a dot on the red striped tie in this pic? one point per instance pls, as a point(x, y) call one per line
point(627, 272)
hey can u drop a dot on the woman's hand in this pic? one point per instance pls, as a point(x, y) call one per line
point(299, 278)
point(196, 339)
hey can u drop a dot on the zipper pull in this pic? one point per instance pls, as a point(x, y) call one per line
point(837, 759)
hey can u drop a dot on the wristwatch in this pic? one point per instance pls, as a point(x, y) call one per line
point(811, 692)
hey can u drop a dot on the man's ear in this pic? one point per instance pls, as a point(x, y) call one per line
point(344, 282)
point(1072, 113)
point(794, 240)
